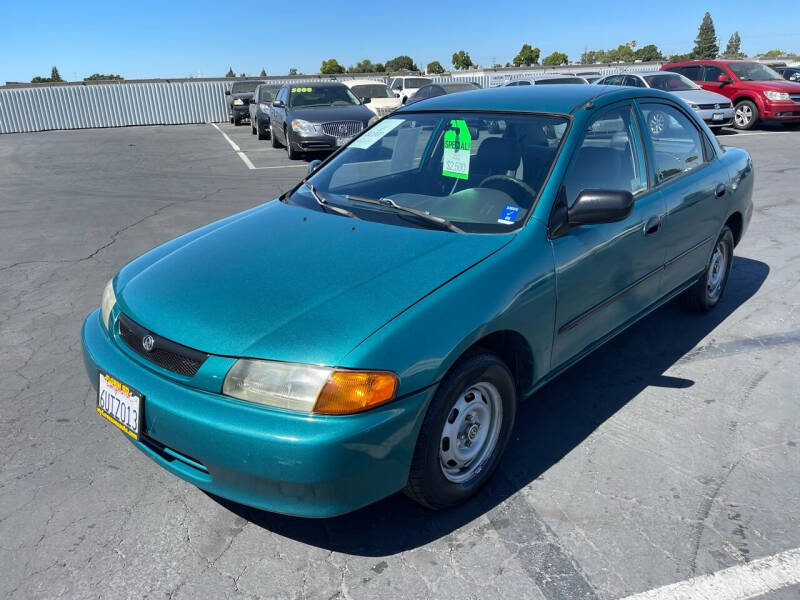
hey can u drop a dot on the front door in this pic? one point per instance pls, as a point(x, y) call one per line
point(606, 274)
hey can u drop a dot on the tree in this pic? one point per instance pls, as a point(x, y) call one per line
point(527, 56)
point(705, 45)
point(330, 67)
point(649, 53)
point(365, 66)
point(622, 53)
point(434, 68)
point(555, 59)
point(401, 63)
point(102, 77)
point(461, 60)
point(230, 73)
point(734, 47)
point(55, 75)
point(774, 53)
point(380, 68)
point(292, 71)
point(263, 73)
point(242, 74)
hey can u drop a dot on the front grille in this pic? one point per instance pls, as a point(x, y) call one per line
point(719, 105)
point(164, 353)
point(795, 97)
point(342, 129)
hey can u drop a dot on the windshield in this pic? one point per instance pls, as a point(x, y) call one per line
point(753, 71)
point(265, 94)
point(670, 82)
point(329, 95)
point(372, 90)
point(243, 87)
point(417, 82)
point(479, 171)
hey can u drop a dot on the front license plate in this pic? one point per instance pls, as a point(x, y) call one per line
point(716, 117)
point(120, 404)
point(342, 141)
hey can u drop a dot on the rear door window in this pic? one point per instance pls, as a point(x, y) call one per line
point(677, 143)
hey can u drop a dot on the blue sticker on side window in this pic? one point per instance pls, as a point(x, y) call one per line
point(509, 214)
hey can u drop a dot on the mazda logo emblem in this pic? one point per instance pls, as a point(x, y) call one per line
point(148, 343)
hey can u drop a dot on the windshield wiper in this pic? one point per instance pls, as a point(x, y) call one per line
point(327, 205)
point(440, 221)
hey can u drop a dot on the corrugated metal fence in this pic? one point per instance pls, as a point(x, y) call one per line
point(24, 109)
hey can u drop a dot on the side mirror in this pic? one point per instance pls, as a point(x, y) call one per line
point(312, 166)
point(227, 92)
point(600, 206)
point(396, 95)
point(723, 78)
point(277, 103)
point(366, 100)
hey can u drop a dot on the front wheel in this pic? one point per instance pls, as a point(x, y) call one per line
point(745, 115)
point(273, 139)
point(290, 152)
point(237, 120)
point(465, 432)
point(706, 293)
point(263, 132)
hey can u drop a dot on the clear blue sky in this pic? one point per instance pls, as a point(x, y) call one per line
point(175, 39)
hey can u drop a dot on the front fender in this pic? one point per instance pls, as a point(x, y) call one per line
point(514, 289)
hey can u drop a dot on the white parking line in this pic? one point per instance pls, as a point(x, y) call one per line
point(741, 582)
point(248, 163)
point(733, 137)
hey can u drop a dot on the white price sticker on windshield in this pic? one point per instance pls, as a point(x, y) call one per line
point(457, 144)
point(373, 135)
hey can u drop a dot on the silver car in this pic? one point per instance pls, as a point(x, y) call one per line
point(715, 109)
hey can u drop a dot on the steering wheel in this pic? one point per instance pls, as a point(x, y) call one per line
point(505, 178)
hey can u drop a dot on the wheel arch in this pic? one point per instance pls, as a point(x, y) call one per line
point(736, 224)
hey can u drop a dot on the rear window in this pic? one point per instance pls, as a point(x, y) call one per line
point(417, 82)
point(560, 80)
point(372, 90)
point(243, 87)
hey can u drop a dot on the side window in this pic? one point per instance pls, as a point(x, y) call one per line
point(613, 80)
point(523, 82)
point(677, 145)
point(794, 76)
point(633, 81)
point(610, 157)
point(710, 73)
point(397, 84)
point(423, 92)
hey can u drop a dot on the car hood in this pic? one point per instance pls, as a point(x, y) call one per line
point(286, 283)
point(779, 85)
point(702, 97)
point(322, 114)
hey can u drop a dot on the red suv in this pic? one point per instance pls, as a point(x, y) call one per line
point(757, 91)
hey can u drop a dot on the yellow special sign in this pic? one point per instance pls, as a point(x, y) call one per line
point(301, 89)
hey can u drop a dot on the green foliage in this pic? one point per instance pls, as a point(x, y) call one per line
point(775, 53)
point(434, 68)
point(705, 45)
point(366, 66)
point(331, 66)
point(263, 73)
point(734, 47)
point(679, 57)
point(102, 77)
point(242, 74)
point(649, 53)
point(292, 71)
point(555, 59)
point(54, 77)
point(461, 60)
point(230, 73)
point(527, 56)
point(401, 63)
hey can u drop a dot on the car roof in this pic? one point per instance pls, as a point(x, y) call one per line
point(352, 82)
point(321, 83)
point(553, 99)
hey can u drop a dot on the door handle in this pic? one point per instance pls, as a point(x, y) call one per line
point(720, 191)
point(652, 226)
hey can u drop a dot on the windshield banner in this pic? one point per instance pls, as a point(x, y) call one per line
point(457, 144)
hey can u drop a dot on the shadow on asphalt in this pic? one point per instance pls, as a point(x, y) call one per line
point(549, 425)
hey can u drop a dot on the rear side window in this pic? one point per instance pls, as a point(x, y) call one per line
point(677, 145)
point(610, 157)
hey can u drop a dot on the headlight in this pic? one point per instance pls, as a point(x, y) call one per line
point(238, 102)
point(694, 106)
point(301, 126)
point(777, 95)
point(264, 106)
point(308, 388)
point(107, 303)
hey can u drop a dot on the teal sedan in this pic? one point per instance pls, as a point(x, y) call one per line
point(373, 329)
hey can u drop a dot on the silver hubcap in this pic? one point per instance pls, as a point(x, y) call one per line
point(470, 433)
point(657, 122)
point(743, 114)
point(717, 270)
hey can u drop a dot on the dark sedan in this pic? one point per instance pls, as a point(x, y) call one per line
point(239, 97)
point(440, 89)
point(259, 109)
point(790, 73)
point(316, 116)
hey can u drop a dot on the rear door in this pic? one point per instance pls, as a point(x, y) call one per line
point(608, 273)
point(692, 180)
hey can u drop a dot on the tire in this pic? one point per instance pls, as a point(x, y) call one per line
point(706, 293)
point(745, 114)
point(231, 120)
point(237, 121)
point(447, 471)
point(262, 133)
point(290, 152)
point(273, 139)
point(253, 127)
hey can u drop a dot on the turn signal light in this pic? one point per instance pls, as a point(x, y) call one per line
point(348, 392)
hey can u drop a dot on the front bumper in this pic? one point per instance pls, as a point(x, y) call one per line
point(240, 111)
point(292, 463)
point(725, 119)
point(318, 142)
point(781, 110)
